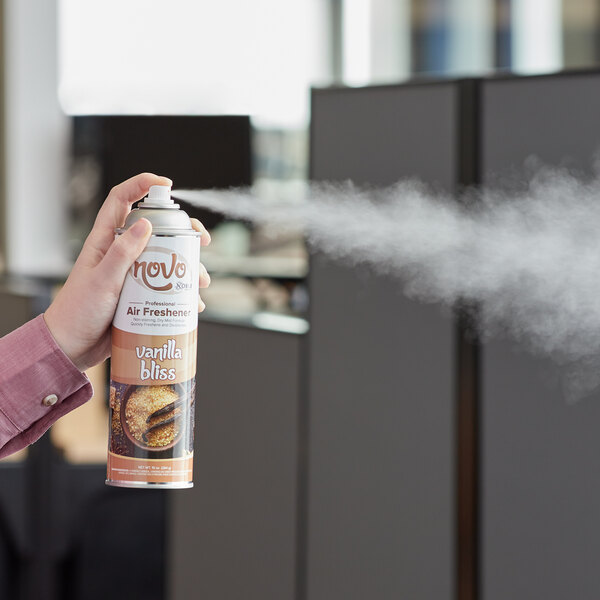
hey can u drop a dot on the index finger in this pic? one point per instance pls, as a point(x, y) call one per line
point(115, 209)
point(198, 226)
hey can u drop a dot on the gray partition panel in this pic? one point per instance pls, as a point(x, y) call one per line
point(381, 451)
point(540, 455)
point(233, 535)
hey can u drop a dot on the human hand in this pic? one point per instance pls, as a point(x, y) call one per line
point(80, 316)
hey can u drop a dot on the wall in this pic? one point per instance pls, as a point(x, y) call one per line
point(36, 141)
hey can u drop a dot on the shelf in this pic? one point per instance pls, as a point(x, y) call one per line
point(275, 267)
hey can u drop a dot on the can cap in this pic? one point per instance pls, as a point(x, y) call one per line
point(159, 196)
point(160, 209)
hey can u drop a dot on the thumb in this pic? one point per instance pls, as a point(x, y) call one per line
point(122, 252)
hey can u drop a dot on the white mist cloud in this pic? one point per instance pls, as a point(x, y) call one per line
point(529, 258)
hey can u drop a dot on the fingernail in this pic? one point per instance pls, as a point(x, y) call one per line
point(140, 228)
point(205, 238)
point(205, 273)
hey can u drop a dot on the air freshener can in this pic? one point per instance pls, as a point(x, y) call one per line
point(153, 361)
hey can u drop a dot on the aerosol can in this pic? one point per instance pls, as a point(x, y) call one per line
point(153, 362)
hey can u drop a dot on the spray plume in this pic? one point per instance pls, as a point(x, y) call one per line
point(530, 259)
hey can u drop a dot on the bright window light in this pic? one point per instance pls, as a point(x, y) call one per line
point(537, 35)
point(356, 32)
point(192, 57)
point(471, 36)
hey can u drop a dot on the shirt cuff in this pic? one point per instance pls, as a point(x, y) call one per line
point(38, 385)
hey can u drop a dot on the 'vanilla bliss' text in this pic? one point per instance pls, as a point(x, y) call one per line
point(150, 367)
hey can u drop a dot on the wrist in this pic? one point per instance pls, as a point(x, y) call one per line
point(58, 332)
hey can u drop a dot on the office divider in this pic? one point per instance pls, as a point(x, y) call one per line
point(438, 467)
point(540, 490)
point(380, 471)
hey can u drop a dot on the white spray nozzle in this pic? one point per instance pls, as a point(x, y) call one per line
point(159, 194)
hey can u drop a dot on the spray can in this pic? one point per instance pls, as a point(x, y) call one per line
point(153, 363)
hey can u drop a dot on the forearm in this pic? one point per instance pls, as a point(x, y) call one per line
point(33, 371)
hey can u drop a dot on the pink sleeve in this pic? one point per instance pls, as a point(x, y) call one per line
point(33, 369)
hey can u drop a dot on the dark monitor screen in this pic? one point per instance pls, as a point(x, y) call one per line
point(194, 151)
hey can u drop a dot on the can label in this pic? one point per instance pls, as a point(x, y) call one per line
point(153, 366)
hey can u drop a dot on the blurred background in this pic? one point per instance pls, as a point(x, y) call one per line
point(350, 443)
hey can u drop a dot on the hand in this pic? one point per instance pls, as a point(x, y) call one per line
point(80, 316)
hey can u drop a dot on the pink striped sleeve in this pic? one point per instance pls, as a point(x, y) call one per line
point(33, 369)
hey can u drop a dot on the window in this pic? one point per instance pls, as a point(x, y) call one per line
point(193, 57)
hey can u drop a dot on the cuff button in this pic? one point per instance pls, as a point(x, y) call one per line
point(50, 400)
